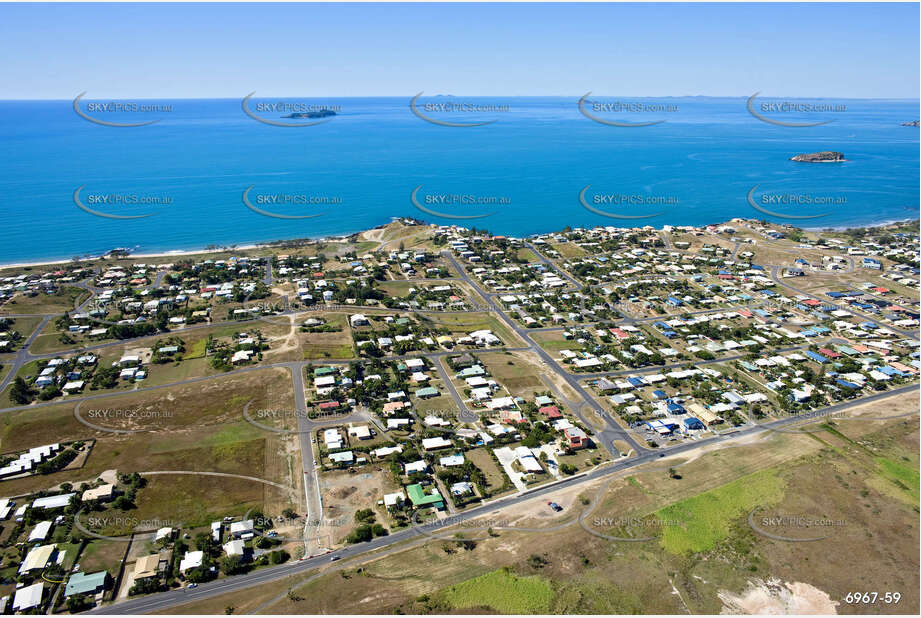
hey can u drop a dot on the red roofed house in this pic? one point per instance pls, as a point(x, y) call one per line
point(575, 437)
point(829, 353)
point(513, 416)
point(550, 412)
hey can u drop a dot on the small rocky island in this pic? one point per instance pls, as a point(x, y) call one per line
point(826, 156)
point(323, 113)
point(912, 123)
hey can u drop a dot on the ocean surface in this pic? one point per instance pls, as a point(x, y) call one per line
point(525, 170)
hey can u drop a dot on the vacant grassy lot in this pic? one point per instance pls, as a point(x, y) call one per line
point(570, 250)
point(501, 591)
point(193, 427)
point(699, 523)
point(553, 341)
point(60, 302)
point(101, 555)
point(495, 476)
point(25, 327)
point(518, 375)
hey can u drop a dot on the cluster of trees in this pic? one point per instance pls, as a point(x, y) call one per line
point(367, 527)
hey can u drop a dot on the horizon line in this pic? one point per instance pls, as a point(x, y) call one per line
point(511, 96)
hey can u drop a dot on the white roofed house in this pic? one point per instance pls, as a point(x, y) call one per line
point(362, 432)
point(164, 534)
point(332, 438)
point(40, 531)
point(29, 597)
point(416, 467)
point(461, 488)
point(129, 361)
point(53, 502)
point(241, 356)
point(191, 560)
point(394, 500)
point(527, 460)
point(242, 529)
point(431, 444)
point(236, 547)
point(485, 338)
point(359, 320)
point(452, 460)
point(324, 385)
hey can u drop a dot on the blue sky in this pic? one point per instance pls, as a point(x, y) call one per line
point(55, 51)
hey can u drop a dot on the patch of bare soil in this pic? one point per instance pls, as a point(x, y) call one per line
point(775, 597)
point(343, 492)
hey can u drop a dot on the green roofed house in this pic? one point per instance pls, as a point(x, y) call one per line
point(401, 321)
point(471, 372)
point(543, 400)
point(323, 371)
point(87, 583)
point(419, 498)
point(428, 391)
point(345, 457)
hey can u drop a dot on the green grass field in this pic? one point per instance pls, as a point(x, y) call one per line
point(502, 591)
point(702, 521)
point(903, 475)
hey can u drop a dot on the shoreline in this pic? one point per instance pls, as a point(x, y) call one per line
point(265, 244)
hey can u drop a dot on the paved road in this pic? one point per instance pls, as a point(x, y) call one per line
point(913, 334)
point(22, 355)
point(305, 431)
point(612, 430)
point(464, 415)
point(172, 598)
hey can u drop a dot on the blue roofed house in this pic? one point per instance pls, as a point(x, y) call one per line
point(815, 356)
point(675, 408)
point(848, 385)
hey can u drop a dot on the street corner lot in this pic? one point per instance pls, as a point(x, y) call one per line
point(345, 492)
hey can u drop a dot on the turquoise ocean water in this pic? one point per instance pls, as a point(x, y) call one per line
point(529, 166)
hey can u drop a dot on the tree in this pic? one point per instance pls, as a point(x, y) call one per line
point(364, 516)
point(78, 603)
point(198, 575)
point(20, 392)
point(232, 565)
point(361, 534)
point(123, 503)
point(279, 557)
